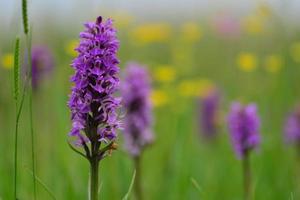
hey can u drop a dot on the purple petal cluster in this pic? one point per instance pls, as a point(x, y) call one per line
point(136, 90)
point(292, 127)
point(92, 102)
point(244, 125)
point(209, 113)
point(42, 64)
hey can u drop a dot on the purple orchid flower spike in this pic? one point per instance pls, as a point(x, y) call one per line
point(92, 102)
point(244, 125)
point(136, 90)
point(42, 64)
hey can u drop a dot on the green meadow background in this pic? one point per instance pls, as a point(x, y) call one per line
point(259, 62)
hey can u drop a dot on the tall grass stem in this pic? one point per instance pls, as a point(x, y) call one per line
point(18, 111)
point(28, 40)
point(32, 143)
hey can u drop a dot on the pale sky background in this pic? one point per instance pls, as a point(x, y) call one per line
point(78, 11)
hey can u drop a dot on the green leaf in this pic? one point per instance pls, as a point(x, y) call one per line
point(130, 187)
point(46, 188)
point(196, 185)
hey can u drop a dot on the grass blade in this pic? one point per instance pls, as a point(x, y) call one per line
point(25, 16)
point(17, 69)
point(46, 188)
point(130, 187)
point(32, 142)
point(196, 185)
point(18, 111)
point(292, 196)
point(18, 115)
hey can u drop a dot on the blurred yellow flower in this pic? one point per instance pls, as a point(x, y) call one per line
point(187, 88)
point(295, 51)
point(7, 61)
point(273, 63)
point(149, 33)
point(191, 32)
point(70, 47)
point(247, 62)
point(253, 24)
point(195, 88)
point(164, 73)
point(159, 98)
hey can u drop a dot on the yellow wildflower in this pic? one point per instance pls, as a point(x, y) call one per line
point(187, 88)
point(247, 62)
point(253, 24)
point(149, 33)
point(273, 63)
point(295, 51)
point(159, 98)
point(164, 73)
point(70, 47)
point(194, 88)
point(7, 61)
point(191, 32)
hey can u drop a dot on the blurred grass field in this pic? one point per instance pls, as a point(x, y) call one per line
point(260, 64)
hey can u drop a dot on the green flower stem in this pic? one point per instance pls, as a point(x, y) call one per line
point(247, 177)
point(94, 179)
point(138, 185)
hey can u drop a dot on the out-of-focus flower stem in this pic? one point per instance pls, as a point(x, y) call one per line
point(247, 176)
point(138, 185)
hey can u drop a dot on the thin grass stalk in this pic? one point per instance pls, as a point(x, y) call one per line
point(126, 197)
point(28, 39)
point(29, 75)
point(196, 185)
point(138, 184)
point(18, 111)
point(39, 181)
point(32, 142)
